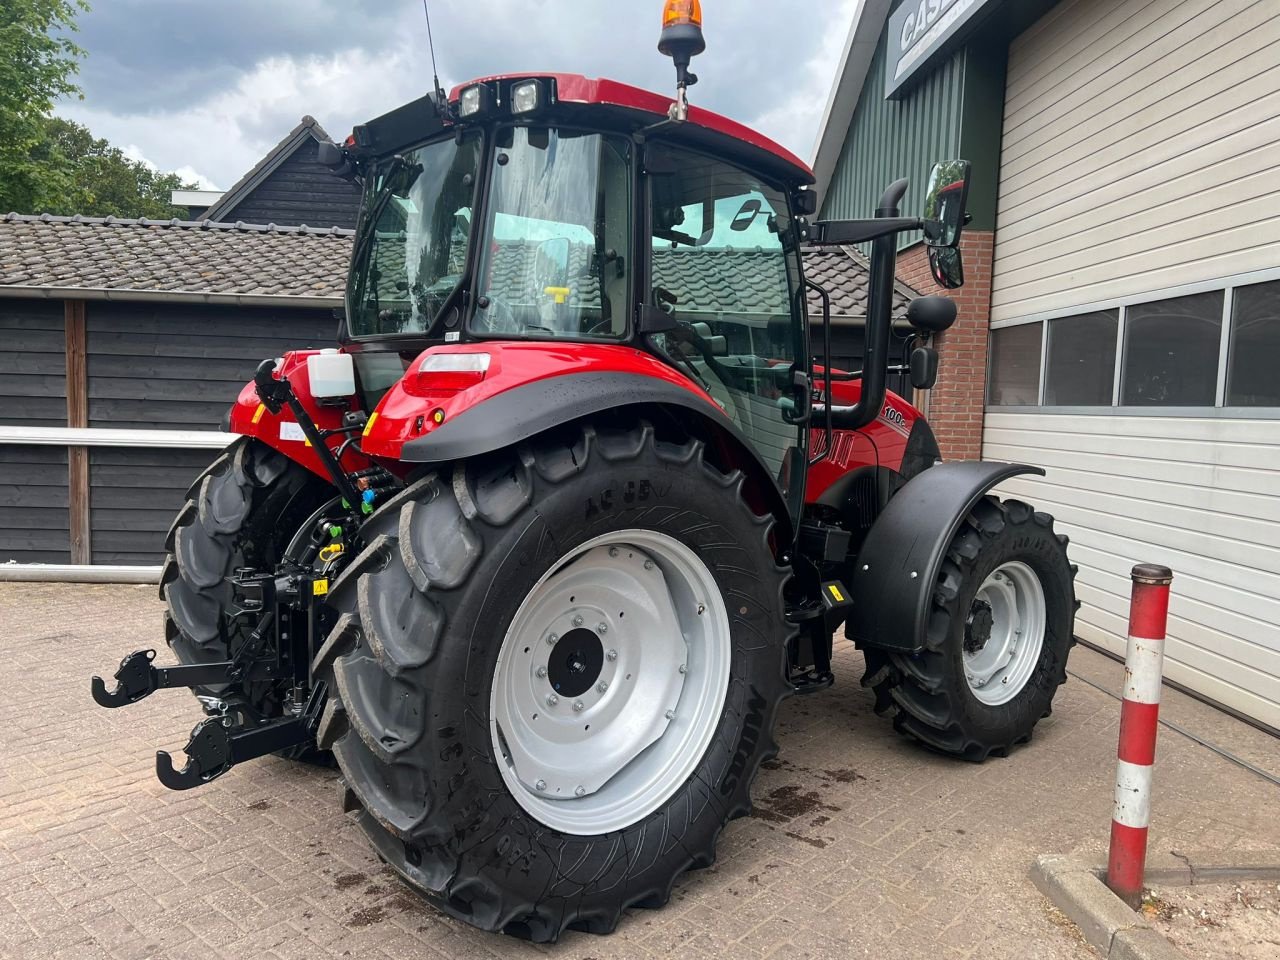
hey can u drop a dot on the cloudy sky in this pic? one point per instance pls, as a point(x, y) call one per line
point(206, 87)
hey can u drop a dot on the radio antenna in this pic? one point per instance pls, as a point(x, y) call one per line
point(441, 103)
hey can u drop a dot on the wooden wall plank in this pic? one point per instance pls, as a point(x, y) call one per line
point(77, 417)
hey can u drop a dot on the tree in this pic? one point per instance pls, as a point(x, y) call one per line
point(103, 181)
point(38, 61)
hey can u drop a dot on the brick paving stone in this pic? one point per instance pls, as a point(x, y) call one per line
point(861, 844)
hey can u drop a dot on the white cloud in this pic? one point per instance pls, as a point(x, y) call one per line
point(795, 121)
point(220, 136)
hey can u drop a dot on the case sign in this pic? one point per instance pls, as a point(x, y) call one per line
point(918, 29)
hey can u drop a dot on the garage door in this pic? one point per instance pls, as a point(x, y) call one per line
point(1136, 285)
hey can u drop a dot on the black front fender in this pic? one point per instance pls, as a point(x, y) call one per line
point(898, 564)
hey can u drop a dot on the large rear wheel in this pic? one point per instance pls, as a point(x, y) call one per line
point(999, 632)
point(555, 675)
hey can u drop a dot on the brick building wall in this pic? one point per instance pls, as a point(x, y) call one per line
point(955, 405)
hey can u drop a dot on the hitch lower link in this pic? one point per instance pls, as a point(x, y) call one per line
point(216, 745)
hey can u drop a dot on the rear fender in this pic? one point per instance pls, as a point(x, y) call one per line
point(530, 388)
point(249, 417)
point(897, 567)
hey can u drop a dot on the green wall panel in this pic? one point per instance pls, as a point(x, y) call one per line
point(889, 139)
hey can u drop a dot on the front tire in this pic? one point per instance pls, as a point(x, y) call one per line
point(1000, 630)
point(434, 663)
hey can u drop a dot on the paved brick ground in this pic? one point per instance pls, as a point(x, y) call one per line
point(862, 845)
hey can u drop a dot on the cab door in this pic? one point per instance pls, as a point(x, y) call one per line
point(724, 264)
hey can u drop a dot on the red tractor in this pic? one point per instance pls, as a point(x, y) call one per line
point(538, 552)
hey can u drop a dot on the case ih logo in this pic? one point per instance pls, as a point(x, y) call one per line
point(918, 29)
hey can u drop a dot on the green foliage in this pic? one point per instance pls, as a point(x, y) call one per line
point(52, 165)
point(38, 61)
point(104, 182)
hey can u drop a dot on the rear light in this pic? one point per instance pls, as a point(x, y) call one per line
point(451, 372)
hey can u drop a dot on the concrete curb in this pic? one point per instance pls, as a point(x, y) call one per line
point(1118, 933)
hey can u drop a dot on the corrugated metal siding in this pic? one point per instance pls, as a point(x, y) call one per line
point(1201, 495)
point(179, 367)
point(301, 191)
point(136, 494)
point(1141, 151)
point(33, 361)
point(889, 139)
point(33, 505)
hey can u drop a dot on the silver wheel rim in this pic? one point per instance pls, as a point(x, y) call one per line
point(998, 662)
point(587, 762)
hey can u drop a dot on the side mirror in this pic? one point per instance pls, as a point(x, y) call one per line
point(931, 314)
point(746, 216)
point(804, 202)
point(947, 267)
point(924, 368)
point(330, 155)
point(944, 203)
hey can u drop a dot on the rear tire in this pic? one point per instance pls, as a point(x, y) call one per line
point(414, 662)
point(241, 512)
point(955, 696)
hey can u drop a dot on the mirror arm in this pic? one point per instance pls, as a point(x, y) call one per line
point(832, 232)
point(875, 359)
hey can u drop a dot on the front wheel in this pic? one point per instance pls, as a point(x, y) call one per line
point(556, 673)
point(999, 632)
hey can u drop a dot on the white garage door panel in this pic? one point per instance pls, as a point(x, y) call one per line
point(1072, 46)
point(1221, 691)
point(1175, 166)
point(1218, 208)
point(1155, 122)
point(1144, 69)
point(1256, 482)
point(1199, 494)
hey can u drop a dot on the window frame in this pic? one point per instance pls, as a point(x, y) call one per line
point(1227, 286)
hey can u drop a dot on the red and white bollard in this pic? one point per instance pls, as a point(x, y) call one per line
point(1139, 716)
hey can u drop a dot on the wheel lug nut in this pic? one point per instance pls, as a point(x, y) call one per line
point(613, 551)
point(577, 706)
point(671, 714)
point(683, 668)
point(577, 621)
point(580, 792)
point(552, 699)
point(552, 639)
point(542, 671)
point(540, 785)
point(611, 655)
point(648, 564)
point(602, 686)
point(602, 628)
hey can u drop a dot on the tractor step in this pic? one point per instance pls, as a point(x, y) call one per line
point(215, 747)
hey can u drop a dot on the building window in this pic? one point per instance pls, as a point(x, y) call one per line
point(1015, 365)
point(1171, 352)
point(1252, 377)
point(1080, 364)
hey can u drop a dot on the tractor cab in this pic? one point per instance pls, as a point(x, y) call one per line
point(556, 209)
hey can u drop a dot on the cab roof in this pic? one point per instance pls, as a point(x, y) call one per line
point(615, 104)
